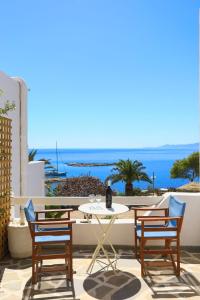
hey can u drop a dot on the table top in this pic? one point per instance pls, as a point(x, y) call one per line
point(100, 209)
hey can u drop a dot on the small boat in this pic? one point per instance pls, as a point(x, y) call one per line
point(55, 172)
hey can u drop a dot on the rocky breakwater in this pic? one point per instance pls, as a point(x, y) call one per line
point(94, 164)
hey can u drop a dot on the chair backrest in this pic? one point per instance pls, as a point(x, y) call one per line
point(176, 209)
point(29, 211)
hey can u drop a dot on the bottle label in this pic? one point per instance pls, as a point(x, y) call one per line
point(108, 197)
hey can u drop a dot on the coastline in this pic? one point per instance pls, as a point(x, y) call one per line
point(80, 164)
point(99, 163)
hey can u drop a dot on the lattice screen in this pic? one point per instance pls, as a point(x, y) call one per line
point(5, 182)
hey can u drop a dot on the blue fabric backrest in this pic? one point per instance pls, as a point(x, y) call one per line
point(176, 209)
point(29, 211)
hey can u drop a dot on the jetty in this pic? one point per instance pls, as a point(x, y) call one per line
point(79, 164)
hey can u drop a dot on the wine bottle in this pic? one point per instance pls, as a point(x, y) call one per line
point(108, 195)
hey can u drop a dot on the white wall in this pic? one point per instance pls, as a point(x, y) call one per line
point(122, 232)
point(12, 91)
point(36, 178)
point(15, 90)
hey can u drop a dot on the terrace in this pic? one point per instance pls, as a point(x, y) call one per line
point(107, 75)
point(127, 283)
point(103, 283)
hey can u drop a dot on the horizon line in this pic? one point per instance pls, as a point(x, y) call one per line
point(111, 148)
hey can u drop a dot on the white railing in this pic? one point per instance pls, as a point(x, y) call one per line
point(83, 232)
point(76, 201)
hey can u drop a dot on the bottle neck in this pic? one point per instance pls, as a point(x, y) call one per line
point(109, 183)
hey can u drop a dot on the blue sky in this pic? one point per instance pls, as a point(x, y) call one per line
point(105, 74)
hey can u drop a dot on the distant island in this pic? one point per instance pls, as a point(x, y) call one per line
point(181, 146)
point(79, 164)
point(194, 146)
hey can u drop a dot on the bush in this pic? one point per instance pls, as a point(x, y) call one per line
point(136, 192)
point(81, 186)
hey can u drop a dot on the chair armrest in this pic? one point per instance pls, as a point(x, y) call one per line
point(53, 219)
point(54, 210)
point(146, 217)
point(159, 219)
point(149, 209)
point(52, 222)
point(175, 228)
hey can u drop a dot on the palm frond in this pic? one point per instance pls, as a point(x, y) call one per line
point(32, 154)
point(115, 178)
point(129, 171)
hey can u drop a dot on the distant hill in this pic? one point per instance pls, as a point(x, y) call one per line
point(194, 146)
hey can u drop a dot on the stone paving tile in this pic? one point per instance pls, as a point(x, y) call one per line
point(196, 255)
point(102, 284)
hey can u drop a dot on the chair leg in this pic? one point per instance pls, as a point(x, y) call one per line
point(70, 262)
point(167, 246)
point(142, 257)
point(178, 258)
point(38, 262)
point(33, 271)
point(33, 266)
point(136, 254)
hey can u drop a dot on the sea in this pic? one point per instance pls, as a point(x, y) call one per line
point(156, 160)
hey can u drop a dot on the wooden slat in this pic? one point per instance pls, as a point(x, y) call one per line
point(153, 229)
point(158, 263)
point(157, 216)
point(68, 222)
point(49, 256)
point(51, 219)
point(53, 232)
point(5, 181)
point(157, 238)
point(150, 209)
point(160, 251)
point(54, 210)
point(53, 268)
point(156, 219)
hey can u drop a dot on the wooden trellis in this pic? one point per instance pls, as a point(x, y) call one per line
point(5, 182)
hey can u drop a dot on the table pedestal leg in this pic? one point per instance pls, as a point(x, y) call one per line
point(100, 245)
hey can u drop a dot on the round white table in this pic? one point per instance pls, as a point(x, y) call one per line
point(99, 210)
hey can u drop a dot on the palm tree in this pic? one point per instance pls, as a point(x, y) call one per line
point(47, 162)
point(129, 171)
point(32, 154)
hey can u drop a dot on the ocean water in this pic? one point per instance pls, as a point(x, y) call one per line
point(157, 160)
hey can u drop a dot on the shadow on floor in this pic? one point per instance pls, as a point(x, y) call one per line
point(170, 286)
point(49, 288)
point(112, 286)
point(13, 264)
point(16, 264)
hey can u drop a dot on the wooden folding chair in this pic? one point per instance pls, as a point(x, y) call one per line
point(45, 236)
point(169, 232)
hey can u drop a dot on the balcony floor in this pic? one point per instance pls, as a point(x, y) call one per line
point(102, 284)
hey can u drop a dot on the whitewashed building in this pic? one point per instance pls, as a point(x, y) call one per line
point(27, 177)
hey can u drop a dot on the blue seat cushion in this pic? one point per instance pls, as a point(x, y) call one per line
point(157, 234)
point(52, 238)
